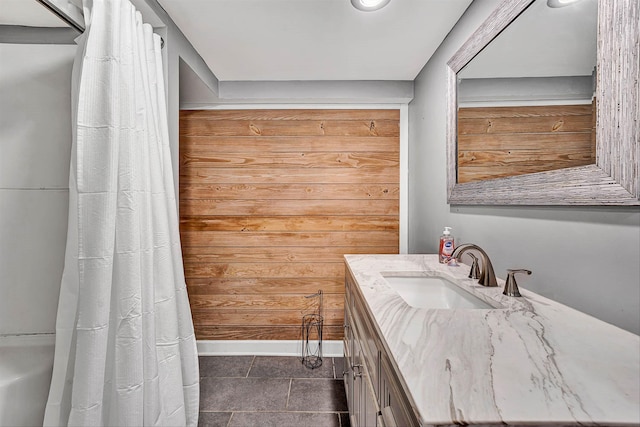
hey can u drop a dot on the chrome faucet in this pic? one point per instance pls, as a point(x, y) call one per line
point(487, 275)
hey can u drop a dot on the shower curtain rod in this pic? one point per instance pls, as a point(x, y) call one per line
point(71, 14)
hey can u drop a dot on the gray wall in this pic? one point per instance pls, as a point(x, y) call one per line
point(35, 144)
point(586, 258)
point(179, 51)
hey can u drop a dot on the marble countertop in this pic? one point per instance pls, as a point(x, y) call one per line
point(529, 361)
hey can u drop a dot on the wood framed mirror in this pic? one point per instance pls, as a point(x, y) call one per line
point(613, 179)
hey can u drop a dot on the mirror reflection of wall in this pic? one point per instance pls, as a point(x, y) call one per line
point(526, 102)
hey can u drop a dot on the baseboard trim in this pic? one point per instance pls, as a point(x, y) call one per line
point(263, 348)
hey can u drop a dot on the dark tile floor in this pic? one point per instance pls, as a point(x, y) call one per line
point(247, 391)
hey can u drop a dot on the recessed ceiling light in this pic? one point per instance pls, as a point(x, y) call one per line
point(369, 5)
point(560, 3)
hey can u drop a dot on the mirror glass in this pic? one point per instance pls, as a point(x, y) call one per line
point(526, 102)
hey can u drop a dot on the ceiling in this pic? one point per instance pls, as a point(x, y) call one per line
point(542, 42)
point(285, 40)
point(28, 13)
point(289, 40)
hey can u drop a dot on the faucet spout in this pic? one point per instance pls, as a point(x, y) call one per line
point(487, 275)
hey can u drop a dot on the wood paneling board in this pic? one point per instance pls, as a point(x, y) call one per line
point(300, 254)
point(266, 207)
point(260, 332)
point(270, 201)
point(275, 239)
point(532, 111)
point(215, 175)
point(288, 223)
point(264, 269)
point(290, 160)
point(289, 191)
point(543, 158)
point(470, 174)
point(582, 123)
point(569, 140)
point(498, 142)
point(274, 144)
point(273, 318)
point(291, 128)
point(279, 302)
point(261, 286)
point(189, 115)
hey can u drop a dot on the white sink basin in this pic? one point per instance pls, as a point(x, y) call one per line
point(433, 292)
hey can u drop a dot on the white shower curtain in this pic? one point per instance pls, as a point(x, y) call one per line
point(125, 348)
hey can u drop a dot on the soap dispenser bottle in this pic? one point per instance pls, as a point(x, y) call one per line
point(447, 245)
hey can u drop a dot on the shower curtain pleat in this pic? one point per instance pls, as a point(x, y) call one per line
point(125, 347)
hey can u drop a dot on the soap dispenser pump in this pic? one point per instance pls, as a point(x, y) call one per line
point(446, 246)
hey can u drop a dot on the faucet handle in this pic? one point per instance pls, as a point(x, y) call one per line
point(474, 273)
point(511, 287)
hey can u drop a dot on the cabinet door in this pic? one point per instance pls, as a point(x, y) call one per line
point(369, 412)
point(347, 374)
point(365, 335)
point(358, 408)
point(365, 405)
point(395, 408)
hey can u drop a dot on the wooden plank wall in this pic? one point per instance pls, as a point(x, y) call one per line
point(270, 200)
point(496, 142)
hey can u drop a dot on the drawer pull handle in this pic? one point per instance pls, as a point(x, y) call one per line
point(359, 373)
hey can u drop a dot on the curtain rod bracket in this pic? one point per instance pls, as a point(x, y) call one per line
point(73, 18)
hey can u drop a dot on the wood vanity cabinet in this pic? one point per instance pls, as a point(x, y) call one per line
point(375, 395)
